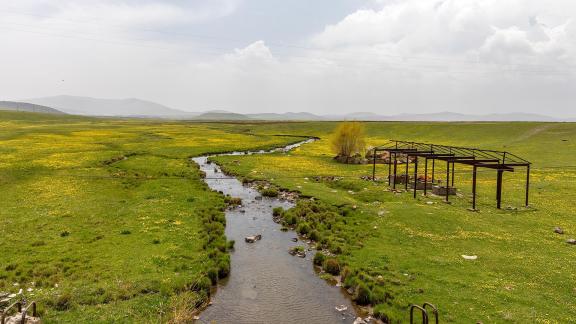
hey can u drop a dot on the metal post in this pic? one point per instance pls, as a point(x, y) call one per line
point(395, 171)
point(425, 176)
point(499, 189)
point(374, 167)
point(406, 179)
point(389, 167)
point(447, 186)
point(474, 188)
point(415, 176)
point(433, 163)
point(527, 183)
point(453, 174)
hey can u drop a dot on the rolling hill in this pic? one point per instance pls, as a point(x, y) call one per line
point(28, 107)
point(110, 107)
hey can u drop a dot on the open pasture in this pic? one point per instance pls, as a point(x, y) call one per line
point(523, 271)
point(104, 219)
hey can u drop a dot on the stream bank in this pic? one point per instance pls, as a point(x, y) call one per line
point(266, 283)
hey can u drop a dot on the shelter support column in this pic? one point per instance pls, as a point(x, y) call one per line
point(447, 186)
point(527, 183)
point(499, 189)
point(415, 176)
point(474, 188)
point(374, 166)
point(395, 172)
point(425, 176)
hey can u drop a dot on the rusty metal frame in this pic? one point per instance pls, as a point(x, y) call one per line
point(500, 161)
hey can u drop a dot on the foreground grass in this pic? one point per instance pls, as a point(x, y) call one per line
point(107, 220)
point(524, 271)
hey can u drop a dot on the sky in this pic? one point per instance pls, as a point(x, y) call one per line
point(321, 56)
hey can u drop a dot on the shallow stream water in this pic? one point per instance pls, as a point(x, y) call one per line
point(266, 283)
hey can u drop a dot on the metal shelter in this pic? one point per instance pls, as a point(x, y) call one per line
point(500, 161)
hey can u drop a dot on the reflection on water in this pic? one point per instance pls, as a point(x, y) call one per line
point(266, 284)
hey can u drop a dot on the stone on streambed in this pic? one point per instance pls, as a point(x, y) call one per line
point(252, 239)
point(359, 320)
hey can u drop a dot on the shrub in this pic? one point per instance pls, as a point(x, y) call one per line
point(290, 219)
point(363, 294)
point(125, 232)
point(350, 281)
point(213, 275)
point(63, 302)
point(319, 259)
point(156, 241)
point(303, 228)
point(348, 139)
point(271, 192)
point(336, 249)
point(224, 267)
point(277, 211)
point(314, 235)
point(231, 244)
point(204, 284)
point(233, 201)
point(64, 234)
point(332, 266)
point(380, 313)
point(346, 272)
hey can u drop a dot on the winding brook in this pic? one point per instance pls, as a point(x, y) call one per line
point(266, 284)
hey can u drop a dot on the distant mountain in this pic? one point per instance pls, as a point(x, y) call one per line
point(24, 106)
point(285, 116)
point(110, 107)
point(443, 116)
point(142, 108)
point(450, 116)
point(223, 115)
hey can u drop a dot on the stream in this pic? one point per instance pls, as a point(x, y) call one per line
point(266, 283)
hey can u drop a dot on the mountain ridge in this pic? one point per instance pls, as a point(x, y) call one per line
point(133, 107)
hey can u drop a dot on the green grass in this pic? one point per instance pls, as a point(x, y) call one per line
point(524, 271)
point(107, 220)
point(111, 223)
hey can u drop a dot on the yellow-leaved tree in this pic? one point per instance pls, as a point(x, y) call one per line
point(348, 140)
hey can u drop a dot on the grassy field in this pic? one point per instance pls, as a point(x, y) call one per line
point(107, 221)
point(524, 271)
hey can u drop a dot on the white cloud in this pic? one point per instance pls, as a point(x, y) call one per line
point(501, 28)
point(399, 56)
point(125, 13)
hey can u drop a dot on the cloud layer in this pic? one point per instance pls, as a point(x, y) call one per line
point(387, 57)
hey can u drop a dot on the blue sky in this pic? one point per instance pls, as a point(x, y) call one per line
point(321, 56)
